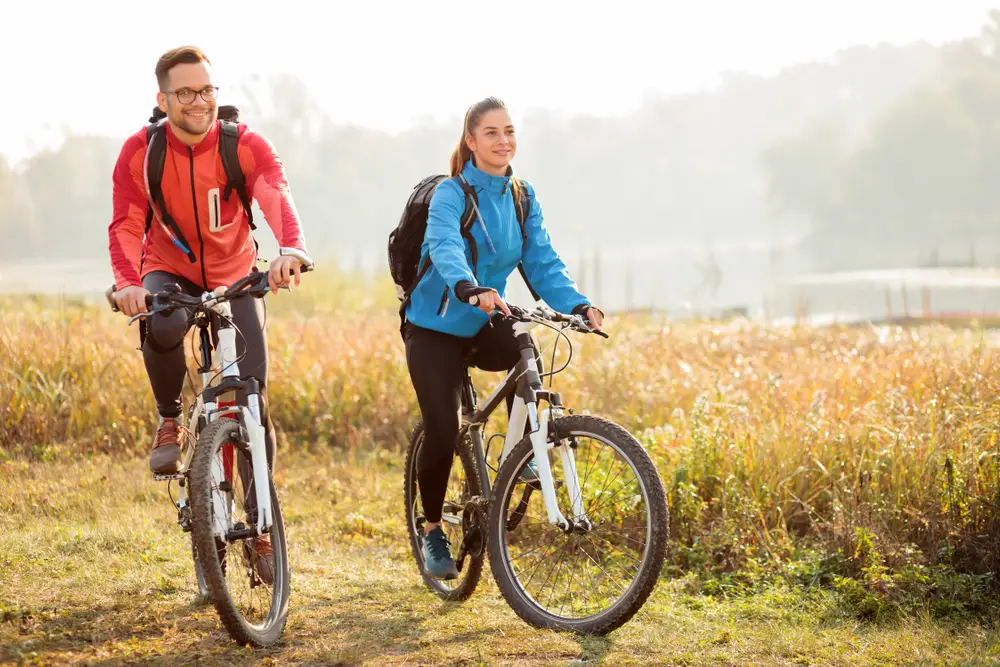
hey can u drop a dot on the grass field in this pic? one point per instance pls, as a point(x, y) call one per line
point(96, 572)
point(834, 495)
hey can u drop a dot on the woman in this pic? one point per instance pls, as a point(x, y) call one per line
point(441, 325)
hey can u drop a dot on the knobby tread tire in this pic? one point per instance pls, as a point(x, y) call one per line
point(473, 569)
point(652, 564)
point(211, 438)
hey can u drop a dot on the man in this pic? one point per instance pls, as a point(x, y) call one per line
point(209, 242)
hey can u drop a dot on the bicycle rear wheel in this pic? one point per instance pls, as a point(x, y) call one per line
point(252, 609)
point(460, 519)
point(595, 577)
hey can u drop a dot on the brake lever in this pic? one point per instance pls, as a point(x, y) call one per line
point(138, 316)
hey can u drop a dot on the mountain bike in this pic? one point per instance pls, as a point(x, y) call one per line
point(231, 498)
point(581, 545)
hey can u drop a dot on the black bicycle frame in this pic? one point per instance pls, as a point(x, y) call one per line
point(525, 381)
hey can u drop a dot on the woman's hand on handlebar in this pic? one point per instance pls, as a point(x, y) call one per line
point(483, 298)
point(595, 318)
point(490, 301)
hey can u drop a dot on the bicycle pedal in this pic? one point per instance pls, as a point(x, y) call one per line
point(167, 476)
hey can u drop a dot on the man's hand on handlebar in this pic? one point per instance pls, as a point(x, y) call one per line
point(131, 300)
point(281, 272)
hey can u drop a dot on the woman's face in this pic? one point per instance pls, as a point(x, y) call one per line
point(493, 142)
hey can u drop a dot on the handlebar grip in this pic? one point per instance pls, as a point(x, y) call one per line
point(109, 294)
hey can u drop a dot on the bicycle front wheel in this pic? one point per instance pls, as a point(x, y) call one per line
point(248, 587)
point(595, 576)
point(189, 439)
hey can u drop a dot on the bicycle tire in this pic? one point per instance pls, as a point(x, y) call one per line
point(187, 458)
point(473, 568)
point(210, 440)
point(199, 575)
point(652, 563)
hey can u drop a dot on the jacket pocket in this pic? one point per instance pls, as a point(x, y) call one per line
point(443, 307)
point(214, 211)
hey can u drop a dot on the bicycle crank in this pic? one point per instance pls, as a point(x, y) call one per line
point(472, 531)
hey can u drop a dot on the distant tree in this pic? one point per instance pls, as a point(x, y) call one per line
point(925, 173)
point(19, 232)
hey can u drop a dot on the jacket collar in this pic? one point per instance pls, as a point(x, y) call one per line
point(206, 144)
point(497, 185)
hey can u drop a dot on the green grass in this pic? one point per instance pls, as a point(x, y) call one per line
point(97, 572)
point(834, 493)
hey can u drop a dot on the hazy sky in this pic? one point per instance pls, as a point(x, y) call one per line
point(88, 67)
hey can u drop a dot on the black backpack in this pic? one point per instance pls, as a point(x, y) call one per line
point(408, 236)
point(156, 155)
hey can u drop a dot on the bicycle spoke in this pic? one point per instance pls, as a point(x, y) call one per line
point(580, 574)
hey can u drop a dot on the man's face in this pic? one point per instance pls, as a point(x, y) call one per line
point(184, 98)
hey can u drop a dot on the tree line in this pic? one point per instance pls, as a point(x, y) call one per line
point(881, 156)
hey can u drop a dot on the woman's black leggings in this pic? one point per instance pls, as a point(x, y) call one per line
point(436, 362)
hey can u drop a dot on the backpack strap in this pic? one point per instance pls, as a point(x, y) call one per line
point(469, 218)
point(150, 129)
point(229, 139)
point(522, 209)
point(156, 155)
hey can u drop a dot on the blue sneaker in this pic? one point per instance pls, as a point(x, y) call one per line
point(529, 473)
point(437, 555)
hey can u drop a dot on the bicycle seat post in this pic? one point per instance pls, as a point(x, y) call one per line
point(468, 395)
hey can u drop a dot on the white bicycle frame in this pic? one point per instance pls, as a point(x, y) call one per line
point(251, 421)
point(522, 413)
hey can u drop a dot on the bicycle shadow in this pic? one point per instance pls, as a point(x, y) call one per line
point(380, 632)
point(387, 633)
point(352, 631)
point(47, 637)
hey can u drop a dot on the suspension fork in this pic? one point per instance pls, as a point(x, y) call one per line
point(251, 421)
point(525, 410)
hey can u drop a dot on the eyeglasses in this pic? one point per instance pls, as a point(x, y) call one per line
point(187, 96)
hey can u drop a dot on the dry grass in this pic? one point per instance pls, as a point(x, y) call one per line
point(837, 475)
point(97, 572)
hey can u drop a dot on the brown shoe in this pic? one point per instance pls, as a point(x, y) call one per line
point(262, 557)
point(166, 454)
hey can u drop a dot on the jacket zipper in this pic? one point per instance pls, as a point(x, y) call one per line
point(197, 223)
point(482, 224)
point(443, 307)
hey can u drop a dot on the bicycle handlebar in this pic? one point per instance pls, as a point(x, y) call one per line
point(253, 284)
point(543, 314)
